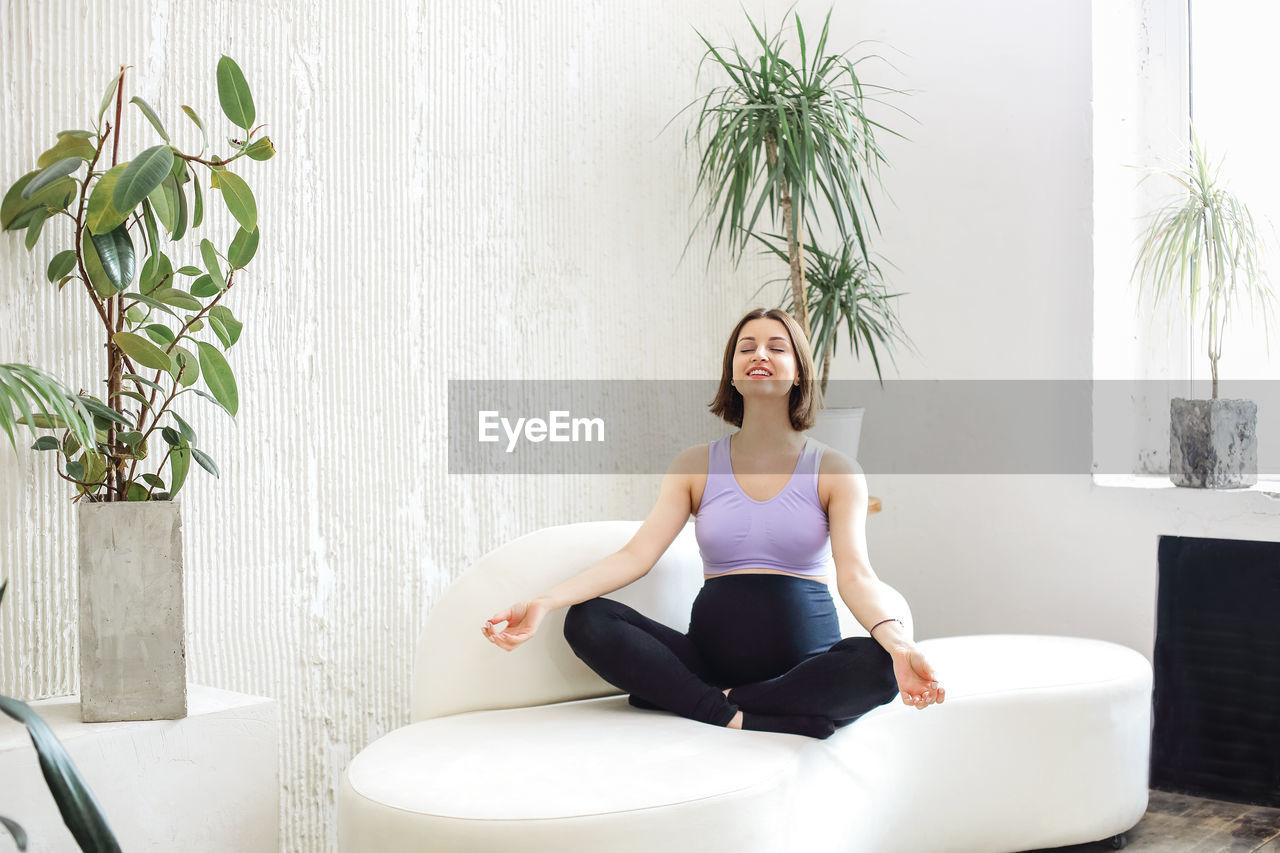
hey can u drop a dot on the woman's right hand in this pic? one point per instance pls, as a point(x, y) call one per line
point(522, 618)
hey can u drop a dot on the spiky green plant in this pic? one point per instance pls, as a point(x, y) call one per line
point(1205, 240)
point(844, 290)
point(793, 138)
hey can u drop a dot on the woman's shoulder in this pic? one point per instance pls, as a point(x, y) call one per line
point(693, 459)
point(836, 462)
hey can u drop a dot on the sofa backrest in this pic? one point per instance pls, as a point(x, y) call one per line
point(457, 670)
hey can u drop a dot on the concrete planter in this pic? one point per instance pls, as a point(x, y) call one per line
point(133, 660)
point(1213, 444)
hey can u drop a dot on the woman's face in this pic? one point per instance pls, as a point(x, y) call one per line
point(764, 343)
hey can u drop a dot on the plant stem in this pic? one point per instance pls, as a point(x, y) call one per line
point(794, 249)
point(116, 316)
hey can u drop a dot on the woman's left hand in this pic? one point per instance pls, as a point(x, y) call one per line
point(917, 681)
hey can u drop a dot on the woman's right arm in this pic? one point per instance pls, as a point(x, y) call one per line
point(667, 518)
point(627, 565)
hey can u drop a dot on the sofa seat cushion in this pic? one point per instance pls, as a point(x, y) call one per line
point(591, 756)
point(1043, 741)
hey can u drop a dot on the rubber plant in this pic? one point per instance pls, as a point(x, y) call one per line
point(79, 809)
point(791, 138)
point(116, 222)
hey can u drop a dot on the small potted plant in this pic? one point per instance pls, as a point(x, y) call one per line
point(1204, 239)
point(166, 328)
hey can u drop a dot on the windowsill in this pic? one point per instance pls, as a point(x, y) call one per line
point(1265, 485)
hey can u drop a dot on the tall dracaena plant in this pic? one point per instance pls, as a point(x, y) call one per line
point(786, 137)
point(104, 209)
point(1205, 239)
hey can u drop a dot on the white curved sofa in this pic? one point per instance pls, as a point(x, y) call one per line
point(1043, 741)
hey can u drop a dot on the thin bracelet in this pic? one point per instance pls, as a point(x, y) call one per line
point(882, 621)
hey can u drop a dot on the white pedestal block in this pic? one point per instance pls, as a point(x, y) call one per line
point(206, 782)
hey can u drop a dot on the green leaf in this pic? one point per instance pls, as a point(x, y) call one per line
point(243, 248)
point(75, 470)
point(187, 432)
point(111, 90)
point(261, 149)
point(205, 462)
point(133, 377)
point(179, 463)
point(132, 438)
point(143, 175)
point(233, 93)
point(115, 253)
point(67, 146)
point(210, 256)
point(18, 833)
point(102, 410)
point(157, 273)
point(93, 266)
point(220, 315)
point(46, 442)
point(15, 211)
point(153, 480)
point(172, 187)
point(134, 395)
point(35, 225)
point(166, 206)
point(151, 303)
point(197, 210)
point(204, 137)
point(218, 376)
point(204, 287)
point(162, 335)
point(103, 215)
point(178, 299)
point(211, 399)
point(149, 220)
point(142, 350)
point(78, 134)
point(186, 367)
point(151, 116)
point(62, 263)
point(196, 325)
point(135, 492)
point(239, 199)
point(188, 270)
point(171, 436)
point(51, 173)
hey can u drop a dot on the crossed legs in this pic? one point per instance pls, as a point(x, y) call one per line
point(662, 669)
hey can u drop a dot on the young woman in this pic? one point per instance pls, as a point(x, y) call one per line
point(772, 511)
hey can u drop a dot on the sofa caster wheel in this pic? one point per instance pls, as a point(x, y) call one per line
point(1118, 841)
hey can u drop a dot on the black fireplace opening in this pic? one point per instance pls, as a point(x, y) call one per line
point(1216, 711)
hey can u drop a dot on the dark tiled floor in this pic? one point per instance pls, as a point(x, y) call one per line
point(1179, 823)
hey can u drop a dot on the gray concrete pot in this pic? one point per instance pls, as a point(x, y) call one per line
point(133, 659)
point(1213, 444)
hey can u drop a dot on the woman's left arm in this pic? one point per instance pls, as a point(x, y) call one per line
point(863, 592)
point(861, 589)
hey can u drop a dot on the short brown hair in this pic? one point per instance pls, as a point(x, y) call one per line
point(806, 398)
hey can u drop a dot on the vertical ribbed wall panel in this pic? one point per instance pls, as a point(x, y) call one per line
point(462, 191)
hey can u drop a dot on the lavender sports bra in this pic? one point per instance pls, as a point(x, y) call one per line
point(788, 532)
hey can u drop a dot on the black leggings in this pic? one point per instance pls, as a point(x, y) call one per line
point(774, 639)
